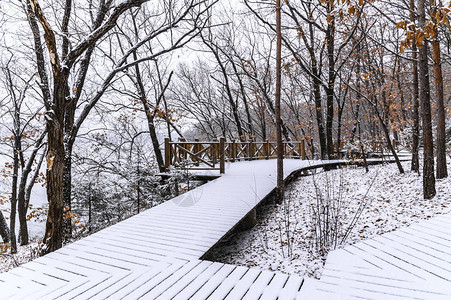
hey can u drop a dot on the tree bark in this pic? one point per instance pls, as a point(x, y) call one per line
point(415, 165)
point(425, 99)
point(330, 40)
point(320, 119)
point(12, 215)
point(56, 107)
point(53, 238)
point(22, 212)
point(244, 97)
point(25, 188)
point(442, 171)
point(4, 230)
point(280, 182)
point(150, 115)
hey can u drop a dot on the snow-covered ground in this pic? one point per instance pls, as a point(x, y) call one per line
point(388, 199)
point(38, 199)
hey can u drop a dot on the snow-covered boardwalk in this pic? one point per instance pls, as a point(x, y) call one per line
point(409, 263)
point(157, 254)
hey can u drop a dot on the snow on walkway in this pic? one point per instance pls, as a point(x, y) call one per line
point(156, 254)
point(409, 263)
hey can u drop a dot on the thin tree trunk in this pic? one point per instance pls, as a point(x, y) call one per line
point(4, 230)
point(67, 188)
point(317, 96)
point(12, 215)
point(425, 98)
point(358, 98)
point(442, 171)
point(415, 166)
point(214, 49)
point(243, 94)
point(330, 84)
point(22, 212)
point(320, 119)
point(362, 149)
point(32, 181)
point(339, 125)
point(280, 182)
point(150, 115)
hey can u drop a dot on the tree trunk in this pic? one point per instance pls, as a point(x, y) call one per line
point(30, 185)
point(280, 182)
point(442, 171)
point(4, 230)
point(243, 95)
point(67, 188)
point(415, 166)
point(214, 49)
point(53, 238)
point(425, 99)
point(22, 211)
point(25, 188)
point(339, 125)
point(330, 37)
point(391, 148)
point(320, 119)
point(150, 115)
point(155, 143)
point(358, 98)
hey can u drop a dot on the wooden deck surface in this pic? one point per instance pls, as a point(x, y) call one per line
point(409, 263)
point(156, 255)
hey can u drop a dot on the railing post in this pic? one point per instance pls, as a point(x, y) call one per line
point(184, 155)
point(303, 156)
point(251, 150)
point(214, 151)
point(167, 154)
point(196, 149)
point(267, 149)
point(233, 150)
point(222, 155)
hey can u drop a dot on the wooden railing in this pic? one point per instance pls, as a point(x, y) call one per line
point(214, 154)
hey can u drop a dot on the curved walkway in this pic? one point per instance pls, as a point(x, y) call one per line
point(157, 254)
point(409, 263)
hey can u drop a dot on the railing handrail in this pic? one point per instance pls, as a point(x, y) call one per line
point(219, 151)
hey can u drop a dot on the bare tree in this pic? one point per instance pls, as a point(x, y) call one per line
point(26, 137)
point(425, 99)
point(442, 168)
point(62, 98)
point(415, 166)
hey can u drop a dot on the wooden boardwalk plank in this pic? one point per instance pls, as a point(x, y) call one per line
point(172, 289)
point(256, 290)
point(155, 255)
point(417, 261)
point(141, 284)
point(242, 287)
point(410, 263)
point(199, 282)
point(292, 288)
point(209, 287)
point(425, 243)
point(228, 284)
point(160, 283)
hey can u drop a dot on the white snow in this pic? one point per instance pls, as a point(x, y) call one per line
point(395, 200)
